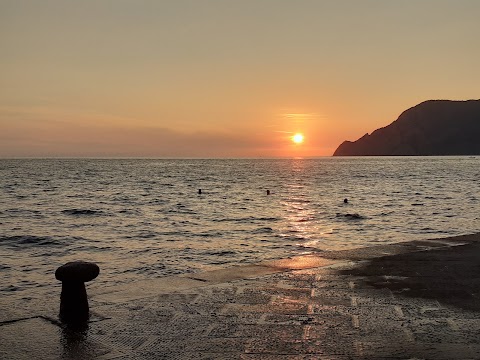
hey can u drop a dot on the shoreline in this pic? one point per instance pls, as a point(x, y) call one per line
point(416, 299)
point(303, 262)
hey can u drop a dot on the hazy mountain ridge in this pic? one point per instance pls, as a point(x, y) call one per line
point(433, 127)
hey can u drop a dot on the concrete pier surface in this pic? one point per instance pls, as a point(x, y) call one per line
point(412, 300)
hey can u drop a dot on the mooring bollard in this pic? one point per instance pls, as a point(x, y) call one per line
point(73, 300)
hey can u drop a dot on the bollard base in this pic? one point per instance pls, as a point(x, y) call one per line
point(74, 303)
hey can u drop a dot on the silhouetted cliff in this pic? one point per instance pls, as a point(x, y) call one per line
point(434, 127)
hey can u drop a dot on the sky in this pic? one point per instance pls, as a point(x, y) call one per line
point(223, 78)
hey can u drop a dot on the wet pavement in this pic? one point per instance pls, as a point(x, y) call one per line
point(416, 300)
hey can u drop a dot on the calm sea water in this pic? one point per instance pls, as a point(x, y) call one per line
point(144, 218)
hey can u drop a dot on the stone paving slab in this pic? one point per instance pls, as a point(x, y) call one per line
point(24, 339)
point(318, 308)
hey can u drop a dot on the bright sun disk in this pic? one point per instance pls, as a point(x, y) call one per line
point(297, 138)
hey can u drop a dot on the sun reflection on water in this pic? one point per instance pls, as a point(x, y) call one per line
point(300, 210)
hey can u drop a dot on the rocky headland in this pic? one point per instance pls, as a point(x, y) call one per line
point(433, 127)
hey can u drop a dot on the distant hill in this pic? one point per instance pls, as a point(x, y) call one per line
point(434, 127)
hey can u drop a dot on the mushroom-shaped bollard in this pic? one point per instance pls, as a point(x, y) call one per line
point(73, 300)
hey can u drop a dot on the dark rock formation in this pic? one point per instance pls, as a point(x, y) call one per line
point(73, 300)
point(434, 127)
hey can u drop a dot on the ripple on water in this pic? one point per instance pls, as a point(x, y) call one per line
point(29, 213)
point(350, 217)
point(10, 288)
point(83, 212)
point(262, 230)
point(134, 214)
point(221, 253)
point(21, 241)
point(248, 219)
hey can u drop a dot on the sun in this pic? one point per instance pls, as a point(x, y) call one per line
point(297, 138)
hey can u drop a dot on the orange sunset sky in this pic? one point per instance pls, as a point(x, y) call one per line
point(204, 78)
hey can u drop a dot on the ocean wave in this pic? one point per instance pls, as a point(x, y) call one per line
point(297, 201)
point(92, 248)
point(10, 288)
point(221, 253)
point(212, 233)
point(167, 184)
point(247, 219)
point(83, 212)
point(141, 251)
point(172, 233)
point(305, 219)
point(262, 230)
point(159, 201)
point(130, 211)
point(25, 212)
point(185, 211)
point(146, 235)
point(21, 240)
point(155, 270)
point(349, 216)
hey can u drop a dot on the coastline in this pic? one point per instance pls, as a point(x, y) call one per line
point(304, 262)
point(414, 299)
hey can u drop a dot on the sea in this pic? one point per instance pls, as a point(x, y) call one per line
point(149, 218)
